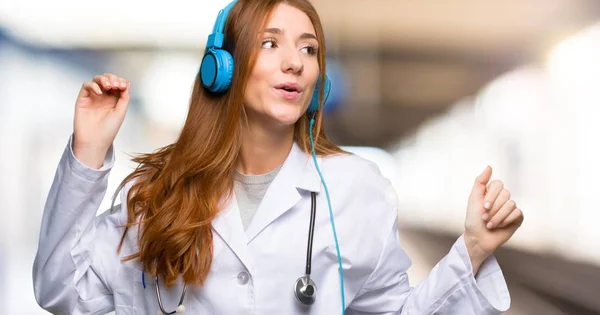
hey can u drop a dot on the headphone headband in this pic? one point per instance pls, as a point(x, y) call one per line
point(216, 38)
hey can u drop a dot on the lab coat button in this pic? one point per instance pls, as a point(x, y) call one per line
point(243, 277)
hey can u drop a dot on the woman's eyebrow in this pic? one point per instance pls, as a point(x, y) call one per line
point(278, 31)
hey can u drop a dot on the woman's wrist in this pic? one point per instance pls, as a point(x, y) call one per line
point(477, 254)
point(91, 157)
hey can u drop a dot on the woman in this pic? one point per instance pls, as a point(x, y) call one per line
point(218, 222)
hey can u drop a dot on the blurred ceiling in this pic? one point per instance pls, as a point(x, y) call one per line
point(410, 60)
point(455, 26)
point(405, 60)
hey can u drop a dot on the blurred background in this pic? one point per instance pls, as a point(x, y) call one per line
point(433, 91)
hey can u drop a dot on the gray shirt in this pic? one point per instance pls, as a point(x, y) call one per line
point(249, 191)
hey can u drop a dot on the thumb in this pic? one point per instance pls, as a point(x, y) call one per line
point(480, 185)
point(123, 100)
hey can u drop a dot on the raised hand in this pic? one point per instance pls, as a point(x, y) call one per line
point(99, 113)
point(492, 217)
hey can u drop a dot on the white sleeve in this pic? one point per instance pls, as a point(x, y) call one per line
point(68, 277)
point(450, 288)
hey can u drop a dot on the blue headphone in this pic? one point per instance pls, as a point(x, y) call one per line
point(216, 70)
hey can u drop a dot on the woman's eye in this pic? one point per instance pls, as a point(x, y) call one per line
point(309, 50)
point(268, 44)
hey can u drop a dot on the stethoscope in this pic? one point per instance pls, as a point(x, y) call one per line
point(305, 289)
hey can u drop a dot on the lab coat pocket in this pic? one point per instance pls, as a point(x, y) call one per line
point(145, 299)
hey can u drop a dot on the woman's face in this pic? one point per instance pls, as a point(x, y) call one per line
point(281, 84)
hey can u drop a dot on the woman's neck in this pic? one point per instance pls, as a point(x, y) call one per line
point(264, 149)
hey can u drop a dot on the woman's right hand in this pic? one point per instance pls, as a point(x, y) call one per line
point(99, 113)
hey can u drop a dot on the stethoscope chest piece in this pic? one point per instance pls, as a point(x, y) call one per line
point(305, 290)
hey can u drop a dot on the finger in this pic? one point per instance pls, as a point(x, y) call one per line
point(481, 181)
point(83, 92)
point(502, 198)
point(492, 193)
point(115, 81)
point(515, 217)
point(126, 91)
point(103, 81)
point(502, 214)
point(92, 87)
point(122, 84)
point(123, 101)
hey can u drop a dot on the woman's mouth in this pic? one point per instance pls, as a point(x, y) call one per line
point(289, 91)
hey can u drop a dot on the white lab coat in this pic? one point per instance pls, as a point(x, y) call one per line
point(78, 271)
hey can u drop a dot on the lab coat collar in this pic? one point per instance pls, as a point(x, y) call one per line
point(228, 225)
point(301, 168)
point(297, 174)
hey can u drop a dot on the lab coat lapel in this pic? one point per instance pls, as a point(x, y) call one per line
point(297, 173)
point(228, 224)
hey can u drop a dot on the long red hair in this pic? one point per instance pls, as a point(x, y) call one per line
point(176, 190)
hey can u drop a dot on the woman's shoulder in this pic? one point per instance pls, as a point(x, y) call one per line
point(351, 165)
point(360, 173)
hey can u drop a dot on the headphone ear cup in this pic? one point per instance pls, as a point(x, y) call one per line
point(314, 103)
point(216, 70)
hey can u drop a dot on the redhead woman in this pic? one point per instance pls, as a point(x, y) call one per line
point(252, 210)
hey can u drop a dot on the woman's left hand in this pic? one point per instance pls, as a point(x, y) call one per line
point(492, 218)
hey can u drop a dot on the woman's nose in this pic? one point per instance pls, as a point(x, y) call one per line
point(292, 63)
